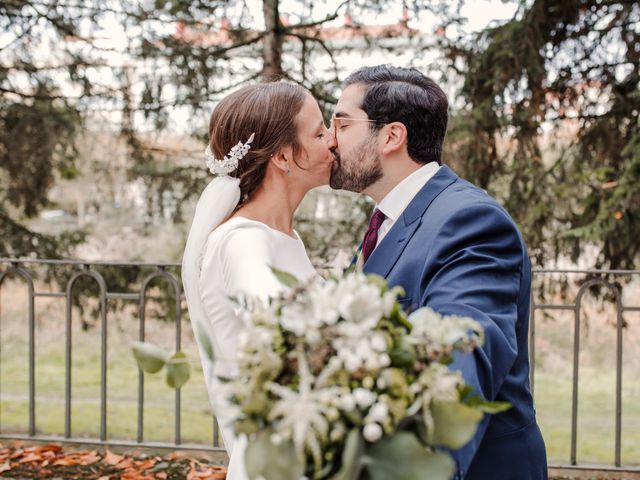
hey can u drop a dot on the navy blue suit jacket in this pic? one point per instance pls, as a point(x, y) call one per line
point(457, 250)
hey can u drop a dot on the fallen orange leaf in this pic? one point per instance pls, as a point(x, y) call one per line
point(216, 473)
point(145, 464)
point(30, 457)
point(49, 448)
point(89, 458)
point(111, 458)
point(124, 463)
point(17, 453)
point(133, 475)
point(66, 461)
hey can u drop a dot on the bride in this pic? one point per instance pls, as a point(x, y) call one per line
point(269, 146)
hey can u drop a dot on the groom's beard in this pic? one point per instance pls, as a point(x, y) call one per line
point(357, 173)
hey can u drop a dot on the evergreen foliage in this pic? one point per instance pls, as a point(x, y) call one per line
point(571, 67)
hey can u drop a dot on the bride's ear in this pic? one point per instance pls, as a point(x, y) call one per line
point(282, 159)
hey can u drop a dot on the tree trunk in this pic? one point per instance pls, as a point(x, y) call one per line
point(272, 54)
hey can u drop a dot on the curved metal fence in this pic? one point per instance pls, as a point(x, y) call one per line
point(608, 281)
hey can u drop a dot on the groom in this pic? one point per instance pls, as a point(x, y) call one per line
point(449, 245)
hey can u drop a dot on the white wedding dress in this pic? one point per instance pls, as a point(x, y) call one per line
point(237, 258)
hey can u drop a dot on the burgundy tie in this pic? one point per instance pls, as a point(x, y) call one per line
point(371, 237)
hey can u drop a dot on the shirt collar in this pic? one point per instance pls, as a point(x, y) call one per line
point(397, 200)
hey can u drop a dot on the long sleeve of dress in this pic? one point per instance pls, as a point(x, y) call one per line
point(238, 260)
point(236, 263)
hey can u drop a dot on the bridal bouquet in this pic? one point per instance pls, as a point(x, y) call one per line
point(335, 382)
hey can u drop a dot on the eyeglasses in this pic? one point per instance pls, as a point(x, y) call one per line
point(337, 122)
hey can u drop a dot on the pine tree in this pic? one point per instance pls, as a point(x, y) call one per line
point(571, 67)
point(169, 62)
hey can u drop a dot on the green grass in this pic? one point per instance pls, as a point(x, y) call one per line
point(596, 417)
point(122, 392)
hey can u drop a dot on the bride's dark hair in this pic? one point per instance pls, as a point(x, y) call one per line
point(269, 111)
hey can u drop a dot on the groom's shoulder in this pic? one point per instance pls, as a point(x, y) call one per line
point(462, 193)
point(470, 203)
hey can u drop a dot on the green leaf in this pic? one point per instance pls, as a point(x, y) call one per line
point(265, 460)
point(479, 403)
point(285, 278)
point(378, 281)
point(403, 457)
point(351, 457)
point(178, 370)
point(203, 339)
point(402, 357)
point(454, 423)
point(352, 268)
point(150, 357)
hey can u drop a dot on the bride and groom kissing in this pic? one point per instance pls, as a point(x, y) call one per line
point(444, 240)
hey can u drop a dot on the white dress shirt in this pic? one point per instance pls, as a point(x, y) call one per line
point(399, 198)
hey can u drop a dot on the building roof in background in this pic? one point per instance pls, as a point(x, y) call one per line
point(350, 30)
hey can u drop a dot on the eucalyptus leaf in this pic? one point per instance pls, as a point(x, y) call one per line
point(486, 406)
point(150, 357)
point(203, 339)
point(265, 460)
point(454, 423)
point(378, 281)
point(402, 356)
point(285, 278)
point(178, 370)
point(403, 457)
point(351, 457)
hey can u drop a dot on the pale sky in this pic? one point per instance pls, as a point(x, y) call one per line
point(113, 36)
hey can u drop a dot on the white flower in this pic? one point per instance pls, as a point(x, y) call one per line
point(347, 402)
point(359, 301)
point(313, 336)
point(364, 397)
point(302, 413)
point(371, 362)
point(388, 301)
point(276, 438)
point(440, 333)
point(294, 318)
point(222, 394)
point(372, 432)
point(363, 348)
point(442, 383)
point(379, 412)
point(324, 305)
point(337, 432)
point(385, 360)
point(378, 342)
point(351, 361)
point(367, 382)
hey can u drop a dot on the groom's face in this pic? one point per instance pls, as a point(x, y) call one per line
point(358, 162)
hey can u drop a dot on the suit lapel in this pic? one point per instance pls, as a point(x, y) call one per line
point(386, 254)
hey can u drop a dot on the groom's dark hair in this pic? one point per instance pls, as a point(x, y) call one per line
point(405, 95)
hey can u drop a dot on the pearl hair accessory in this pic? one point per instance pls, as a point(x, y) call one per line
point(230, 162)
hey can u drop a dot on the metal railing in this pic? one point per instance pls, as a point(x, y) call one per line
point(170, 273)
point(594, 279)
point(19, 267)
